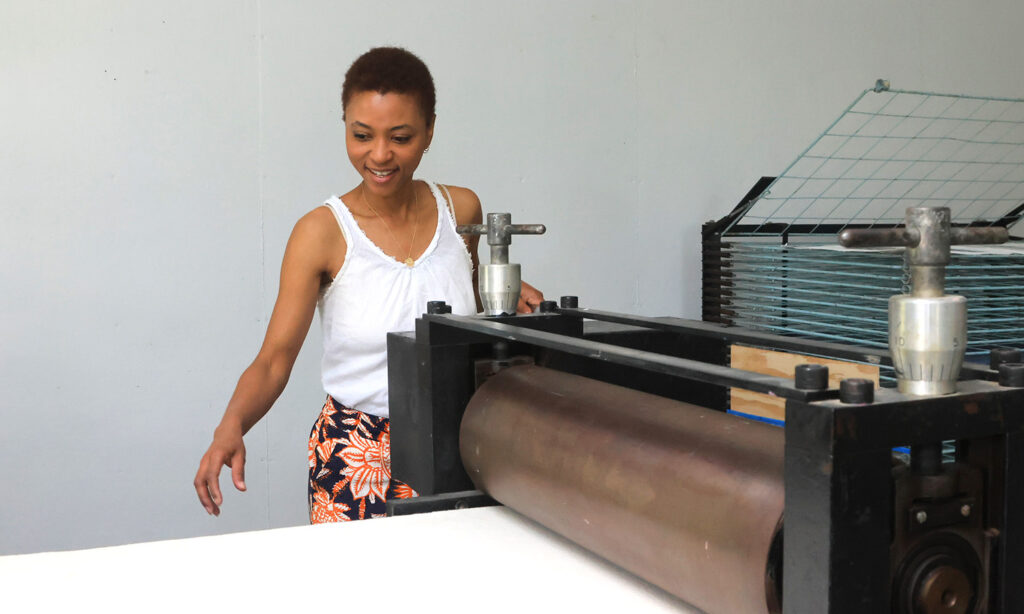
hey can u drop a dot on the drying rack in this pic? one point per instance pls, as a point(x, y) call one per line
point(773, 263)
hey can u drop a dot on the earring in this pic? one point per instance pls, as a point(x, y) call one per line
point(426, 149)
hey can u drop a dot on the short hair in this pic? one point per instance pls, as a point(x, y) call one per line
point(391, 69)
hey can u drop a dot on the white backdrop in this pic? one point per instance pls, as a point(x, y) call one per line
point(154, 156)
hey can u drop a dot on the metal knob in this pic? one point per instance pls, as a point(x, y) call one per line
point(500, 281)
point(927, 328)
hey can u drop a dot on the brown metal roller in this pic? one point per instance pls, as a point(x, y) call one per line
point(688, 498)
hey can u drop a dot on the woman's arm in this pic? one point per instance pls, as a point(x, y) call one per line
point(466, 205)
point(307, 260)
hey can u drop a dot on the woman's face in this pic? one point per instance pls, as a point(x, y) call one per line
point(385, 135)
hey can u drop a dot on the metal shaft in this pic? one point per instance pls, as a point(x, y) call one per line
point(687, 498)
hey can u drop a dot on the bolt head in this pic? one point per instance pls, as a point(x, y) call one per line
point(998, 356)
point(810, 377)
point(856, 390)
point(438, 307)
point(1011, 374)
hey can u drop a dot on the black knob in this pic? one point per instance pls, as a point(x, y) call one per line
point(548, 306)
point(1011, 374)
point(811, 377)
point(998, 356)
point(857, 390)
point(570, 302)
point(436, 307)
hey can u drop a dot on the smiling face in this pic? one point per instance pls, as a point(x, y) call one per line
point(385, 135)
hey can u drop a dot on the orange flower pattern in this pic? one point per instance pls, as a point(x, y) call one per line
point(350, 466)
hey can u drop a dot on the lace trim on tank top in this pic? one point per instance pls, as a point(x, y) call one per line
point(332, 203)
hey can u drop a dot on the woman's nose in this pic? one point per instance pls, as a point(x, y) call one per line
point(381, 151)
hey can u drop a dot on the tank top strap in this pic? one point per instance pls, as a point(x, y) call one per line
point(445, 204)
point(346, 222)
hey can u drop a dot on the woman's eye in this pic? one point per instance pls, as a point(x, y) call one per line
point(402, 140)
point(360, 136)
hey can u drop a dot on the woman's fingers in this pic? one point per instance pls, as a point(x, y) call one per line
point(237, 464)
point(207, 482)
point(207, 486)
point(529, 298)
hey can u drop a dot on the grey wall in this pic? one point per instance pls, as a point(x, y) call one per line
point(154, 156)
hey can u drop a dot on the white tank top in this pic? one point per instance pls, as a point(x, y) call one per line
point(374, 294)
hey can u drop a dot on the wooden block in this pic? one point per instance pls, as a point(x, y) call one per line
point(782, 364)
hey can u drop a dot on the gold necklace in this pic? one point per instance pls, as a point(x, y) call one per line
point(415, 227)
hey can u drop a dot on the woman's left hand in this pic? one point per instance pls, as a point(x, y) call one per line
point(529, 298)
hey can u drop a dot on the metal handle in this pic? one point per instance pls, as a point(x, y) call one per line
point(499, 230)
point(927, 235)
point(515, 229)
point(988, 235)
point(910, 237)
point(927, 228)
point(880, 237)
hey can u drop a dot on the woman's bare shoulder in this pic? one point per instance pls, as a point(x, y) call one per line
point(317, 240)
point(466, 205)
point(318, 224)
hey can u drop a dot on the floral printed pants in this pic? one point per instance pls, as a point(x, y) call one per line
point(350, 466)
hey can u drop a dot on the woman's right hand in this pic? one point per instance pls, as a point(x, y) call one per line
point(315, 251)
point(227, 449)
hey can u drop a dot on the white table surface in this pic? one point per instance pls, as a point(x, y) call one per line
point(477, 560)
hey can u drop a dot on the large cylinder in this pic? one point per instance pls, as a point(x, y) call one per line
point(688, 498)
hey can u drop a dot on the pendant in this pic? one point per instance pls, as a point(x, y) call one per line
point(409, 262)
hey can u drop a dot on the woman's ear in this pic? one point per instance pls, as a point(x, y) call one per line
point(430, 129)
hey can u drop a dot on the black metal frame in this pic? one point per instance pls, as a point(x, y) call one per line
point(838, 467)
point(839, 495)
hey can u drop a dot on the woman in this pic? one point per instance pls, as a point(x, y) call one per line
point(369, 260)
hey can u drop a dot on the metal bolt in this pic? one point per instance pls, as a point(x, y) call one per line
point(965, 510)
point(810, 377)
point(921, 517)
point(438, 307)
point(998, 356)
point(1011, 374)
point(856, 390)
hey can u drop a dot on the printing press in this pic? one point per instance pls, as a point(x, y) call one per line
point(612, 436)
point(612, 431)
